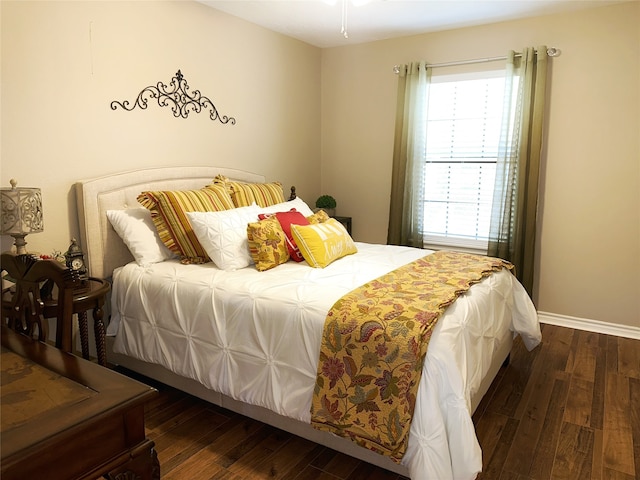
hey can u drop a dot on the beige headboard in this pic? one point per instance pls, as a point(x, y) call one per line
point(103, 248)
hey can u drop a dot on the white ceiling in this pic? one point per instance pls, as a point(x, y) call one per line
point(319, 23)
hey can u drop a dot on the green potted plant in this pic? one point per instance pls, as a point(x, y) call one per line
point(326, 203)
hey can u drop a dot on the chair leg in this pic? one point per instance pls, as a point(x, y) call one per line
point(84, 334)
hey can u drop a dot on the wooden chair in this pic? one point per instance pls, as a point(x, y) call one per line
point(23, 304)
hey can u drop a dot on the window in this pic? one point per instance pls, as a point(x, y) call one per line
point(463, 130)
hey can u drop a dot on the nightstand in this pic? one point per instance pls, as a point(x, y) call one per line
point(346, 221)
point(91, 297)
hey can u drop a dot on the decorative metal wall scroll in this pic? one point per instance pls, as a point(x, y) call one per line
point(177, 96)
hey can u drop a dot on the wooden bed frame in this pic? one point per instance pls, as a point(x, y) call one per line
point(105, 251)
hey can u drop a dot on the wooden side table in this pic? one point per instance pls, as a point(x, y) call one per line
point(346, 221)
point(92, 297)
point(63, 417)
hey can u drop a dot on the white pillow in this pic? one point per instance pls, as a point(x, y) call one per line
point(223, 235)
point(137, 231)
point(296, 203)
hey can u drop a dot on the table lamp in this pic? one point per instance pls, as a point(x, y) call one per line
point(21, 213)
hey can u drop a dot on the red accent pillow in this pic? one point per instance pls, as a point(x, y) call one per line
point(286, 219)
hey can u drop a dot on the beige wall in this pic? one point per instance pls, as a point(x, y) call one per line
point(589, 234)
point(322, 118)
point(64, 62)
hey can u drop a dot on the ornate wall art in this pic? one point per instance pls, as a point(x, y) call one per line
point(177, 96)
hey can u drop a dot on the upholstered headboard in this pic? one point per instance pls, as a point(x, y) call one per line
point(104, 249)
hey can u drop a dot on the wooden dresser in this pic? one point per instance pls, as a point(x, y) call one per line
point(63, 417)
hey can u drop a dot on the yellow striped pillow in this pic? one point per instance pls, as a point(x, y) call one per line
point(323, 243)
point(244, 194)
point(168, 212)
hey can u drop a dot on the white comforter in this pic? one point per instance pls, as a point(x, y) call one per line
point(255, 336)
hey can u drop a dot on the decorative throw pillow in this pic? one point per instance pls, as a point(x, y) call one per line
point(168, 212)
point(223, 235)
point(286, 219)
point(296, 203)
point(323, 243)
point(267, 243)
point(244, 194)
point(136, 229)
point(319, 217)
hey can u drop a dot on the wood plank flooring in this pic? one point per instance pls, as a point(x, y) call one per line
point(570, 409)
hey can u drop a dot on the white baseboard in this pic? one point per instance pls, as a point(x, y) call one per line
point(596, 326)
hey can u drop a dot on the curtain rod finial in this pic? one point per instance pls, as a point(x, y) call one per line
point(553, 52)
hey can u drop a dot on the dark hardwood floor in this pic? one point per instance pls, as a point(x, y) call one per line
point(570, 409)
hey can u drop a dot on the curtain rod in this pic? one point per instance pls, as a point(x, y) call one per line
point(551, 51)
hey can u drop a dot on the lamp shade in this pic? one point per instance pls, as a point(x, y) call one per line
point(20, 211)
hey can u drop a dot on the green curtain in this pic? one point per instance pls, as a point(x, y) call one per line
point(407, 177)
point(512, 232)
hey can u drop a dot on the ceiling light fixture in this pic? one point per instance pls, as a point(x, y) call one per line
point(345, 15)
point(345, 12)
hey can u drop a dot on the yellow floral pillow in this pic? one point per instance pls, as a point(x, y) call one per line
point(319, 217)
point(244, 194)
point(323, 243)
point(169, 214)
point(267, 243)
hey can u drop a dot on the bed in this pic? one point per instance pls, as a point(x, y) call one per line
point(248, 340)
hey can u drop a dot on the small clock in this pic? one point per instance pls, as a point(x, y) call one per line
point(74, 259)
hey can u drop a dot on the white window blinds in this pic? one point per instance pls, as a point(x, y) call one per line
point(463, 129)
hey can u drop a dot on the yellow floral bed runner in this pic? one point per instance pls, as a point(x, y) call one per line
point(374, 342)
